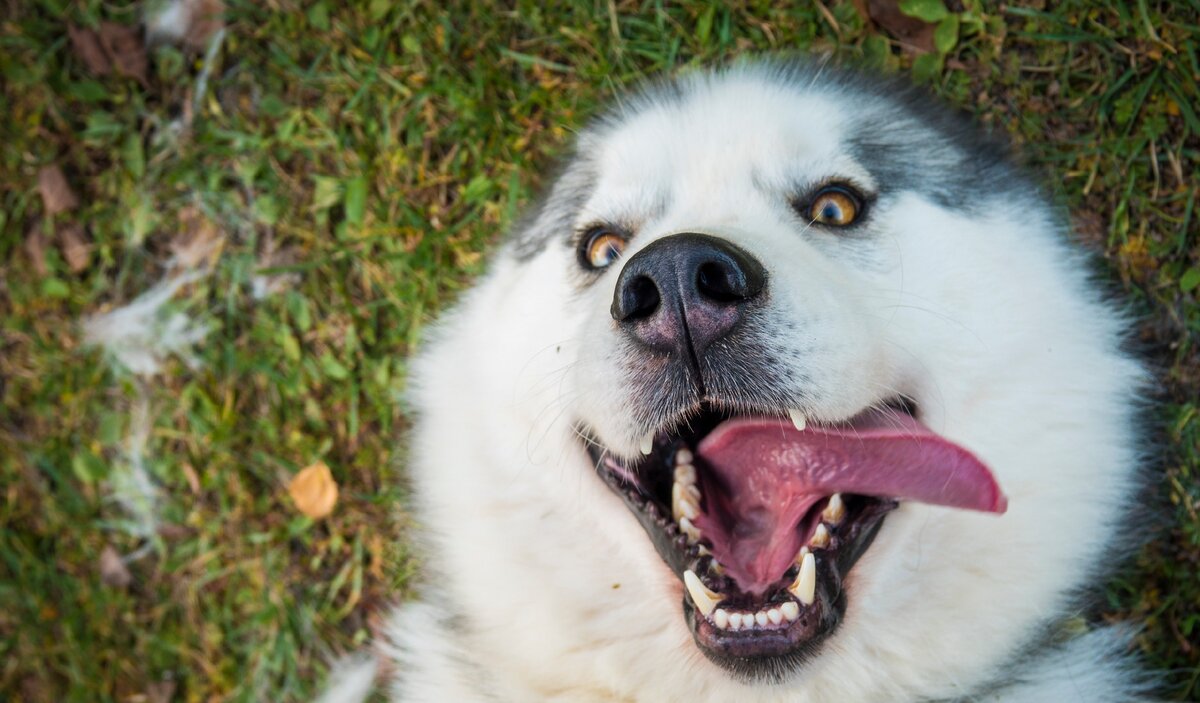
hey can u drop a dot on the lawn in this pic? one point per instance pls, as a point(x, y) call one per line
point(329, 175)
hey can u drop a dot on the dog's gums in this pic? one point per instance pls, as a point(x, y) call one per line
point(761, 517)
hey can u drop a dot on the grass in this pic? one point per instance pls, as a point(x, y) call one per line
point(358, 159)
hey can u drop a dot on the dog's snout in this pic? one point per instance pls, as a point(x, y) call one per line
point(686, 290)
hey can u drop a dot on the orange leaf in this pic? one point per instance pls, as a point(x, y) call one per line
point(314, 491)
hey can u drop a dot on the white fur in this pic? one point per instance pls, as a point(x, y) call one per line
point(542, 584)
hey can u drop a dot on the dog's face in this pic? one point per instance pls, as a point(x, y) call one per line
point(810, 336)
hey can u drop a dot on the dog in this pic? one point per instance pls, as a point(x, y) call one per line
point(790, 388)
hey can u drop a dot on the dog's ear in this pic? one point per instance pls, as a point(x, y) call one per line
point(551, 218)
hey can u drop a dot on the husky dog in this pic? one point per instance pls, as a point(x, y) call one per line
point(790, 389)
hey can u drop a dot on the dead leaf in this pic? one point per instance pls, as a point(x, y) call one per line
point(35, 248)
point(112, 569)
point(161, 691)
point(87, 47)
point(57, 195)
point(123, 46)
point(207, 18)
point(76, 248)
point(171, 532)
point(198, 240)
point(314, 491)
point(912, 33)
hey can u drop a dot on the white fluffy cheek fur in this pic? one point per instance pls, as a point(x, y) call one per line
point(976, 341)
point(545, 557)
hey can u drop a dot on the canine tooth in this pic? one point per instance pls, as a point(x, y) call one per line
point(685, 474)
point(720, 618)
point(683, 456)
point(790, 610)
point(805, 585)
point(835, 510)
point(648, 442)
point(761, 618)
point(682, 504)
point(687, 528)
point(798, 419)
point(704, 599)
point(775, 616)
point(801, 554)
point(820, 538)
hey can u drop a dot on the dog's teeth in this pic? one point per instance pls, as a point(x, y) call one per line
point(715, 567)
point(820, 538)
point(761, 618)
point(704, 599)
point(689, 529)
point(683, 455)
point(790, 611)
point(735, 621)
point(835, 510)
point(805, 585)
point(775, 616)
point(720, 618)
point(801, 554)
point(685, 474)
point(798, 418)
point(648, 443)
point(682, 503)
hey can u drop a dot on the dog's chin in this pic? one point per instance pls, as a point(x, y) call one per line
point(761, 518)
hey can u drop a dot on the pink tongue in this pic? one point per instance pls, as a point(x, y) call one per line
point(770, 474)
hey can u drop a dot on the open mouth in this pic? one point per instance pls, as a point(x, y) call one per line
point(761, 517)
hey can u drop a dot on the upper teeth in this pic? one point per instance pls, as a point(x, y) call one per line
point(798, 419)
point(704, 599)
point(647, 442)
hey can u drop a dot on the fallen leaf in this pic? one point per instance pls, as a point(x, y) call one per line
point(56, 193)
point(191, 23)
point(314, 491)
point(198, 240)
point(112, 569)
point(87, 47)
point(912, 33)
point(123, 46)
point(207, 18)
point(76, 248)
point(161, 691)
point(35, 248)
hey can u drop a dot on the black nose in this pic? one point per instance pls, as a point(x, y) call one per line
point(686, 290)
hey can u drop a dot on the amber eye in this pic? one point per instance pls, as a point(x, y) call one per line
point(601, 247)
point(834, 206)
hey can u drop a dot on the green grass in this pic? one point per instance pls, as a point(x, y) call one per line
point(368, 153)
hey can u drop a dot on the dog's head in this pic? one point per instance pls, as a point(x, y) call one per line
point(820, 338)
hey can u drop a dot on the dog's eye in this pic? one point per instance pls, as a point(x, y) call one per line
point(834, 205)
point(601, 247)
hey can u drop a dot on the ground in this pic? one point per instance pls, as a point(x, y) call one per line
point(336, 180)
